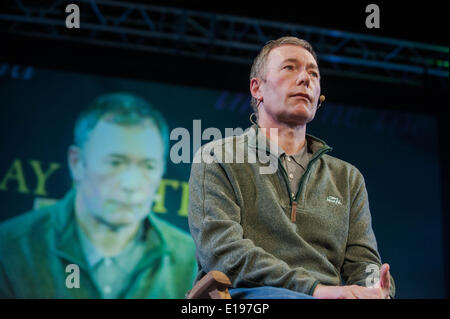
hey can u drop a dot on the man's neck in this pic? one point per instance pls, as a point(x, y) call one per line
point(290, 138)
point(109, 241)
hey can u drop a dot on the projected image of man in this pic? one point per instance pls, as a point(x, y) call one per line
point(103, 225)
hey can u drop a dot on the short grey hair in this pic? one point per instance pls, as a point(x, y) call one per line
point(120, 108)
point(259, 63)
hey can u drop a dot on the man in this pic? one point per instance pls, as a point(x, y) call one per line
point(304, 229)
point(101, 241)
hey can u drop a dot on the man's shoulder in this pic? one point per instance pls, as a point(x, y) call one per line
point(175, 237)
point(225, 144)
point(341, 167)
point(30, 224)
point(335, 161)
point(179, 243)
point(226, 141)
point(336, 165)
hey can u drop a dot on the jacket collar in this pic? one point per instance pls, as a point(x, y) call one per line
point(68, 244)
point(257, 140)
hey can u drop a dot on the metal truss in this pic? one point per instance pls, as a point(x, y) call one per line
point(229, 38)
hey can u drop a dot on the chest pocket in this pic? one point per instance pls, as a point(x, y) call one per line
point(325, 228)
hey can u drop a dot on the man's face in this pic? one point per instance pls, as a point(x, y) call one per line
point(291, 88)
point(121, 169)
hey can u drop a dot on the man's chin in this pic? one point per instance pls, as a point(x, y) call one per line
point(296, 118)
point(120, 220)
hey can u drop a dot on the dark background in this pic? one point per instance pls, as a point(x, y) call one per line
point(418, 274)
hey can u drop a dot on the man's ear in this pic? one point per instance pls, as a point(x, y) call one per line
point(255, 88)
point(75, 161)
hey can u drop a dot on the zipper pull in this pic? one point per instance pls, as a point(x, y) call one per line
point(294, 211)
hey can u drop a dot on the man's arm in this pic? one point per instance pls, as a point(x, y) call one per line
point(379, 291)
point(214, 221)
point(361, 250)
point(6, 291)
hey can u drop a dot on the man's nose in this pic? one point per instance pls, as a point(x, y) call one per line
point(131, 180)
point(303, 78)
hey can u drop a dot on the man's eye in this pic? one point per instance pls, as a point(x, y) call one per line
point(115, 163)
point(149, 166)
point(289, 67)
point(315, 74)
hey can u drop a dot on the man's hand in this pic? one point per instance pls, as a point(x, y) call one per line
point(379, 291)
point(345, 292)
point(385, 281)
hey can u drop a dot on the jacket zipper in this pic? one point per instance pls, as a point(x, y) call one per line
point(293, 203)
point(300, 186)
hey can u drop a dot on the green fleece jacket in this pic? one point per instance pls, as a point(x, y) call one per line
point(36, 247)
point(246, 225)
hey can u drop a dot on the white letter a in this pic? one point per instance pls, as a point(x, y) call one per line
point(73, 280)
point(373, 19)
point(73, 19)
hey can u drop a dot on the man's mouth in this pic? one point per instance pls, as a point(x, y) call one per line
point(126, 205)
point(304, 95)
